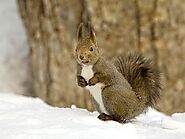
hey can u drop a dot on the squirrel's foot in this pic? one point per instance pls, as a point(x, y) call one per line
point(119, 119)
point(104, 117)
point(82, 82)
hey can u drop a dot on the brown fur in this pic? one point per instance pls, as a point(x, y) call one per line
point(131, 83)
point(142, 75)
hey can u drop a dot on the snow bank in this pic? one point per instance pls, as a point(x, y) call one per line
point(14, 61)
point(23, 117)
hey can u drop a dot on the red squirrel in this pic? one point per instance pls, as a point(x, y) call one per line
point(121, 90)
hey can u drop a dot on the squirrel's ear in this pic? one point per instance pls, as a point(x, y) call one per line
point(79, 32)
point(92, 32)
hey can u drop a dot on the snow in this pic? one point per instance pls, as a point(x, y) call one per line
point(14, 63)
point(25, 117)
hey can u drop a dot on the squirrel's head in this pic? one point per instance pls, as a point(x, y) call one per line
point(86, 50)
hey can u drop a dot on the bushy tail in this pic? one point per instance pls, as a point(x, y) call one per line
point(142, 75)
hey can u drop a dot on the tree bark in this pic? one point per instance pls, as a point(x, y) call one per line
point(153, 27)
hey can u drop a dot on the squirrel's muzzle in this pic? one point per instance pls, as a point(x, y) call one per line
point(85, 61)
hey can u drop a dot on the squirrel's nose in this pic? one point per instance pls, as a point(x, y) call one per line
point(81, 57)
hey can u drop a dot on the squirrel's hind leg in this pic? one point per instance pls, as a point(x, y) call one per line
point(119, 119)
point(105, 117)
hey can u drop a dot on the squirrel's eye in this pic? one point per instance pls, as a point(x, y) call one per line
point(76, 50)
point(91, 49)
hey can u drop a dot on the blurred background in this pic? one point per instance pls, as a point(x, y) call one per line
point(15, 69)
point(37, 41)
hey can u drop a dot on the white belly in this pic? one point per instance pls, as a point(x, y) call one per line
point(96, 90)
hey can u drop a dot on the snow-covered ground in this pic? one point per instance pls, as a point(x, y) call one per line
point(14, 63)
point(30, 118)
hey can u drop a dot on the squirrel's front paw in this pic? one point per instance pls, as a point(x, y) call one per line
point(81, 81)
point(92, 81)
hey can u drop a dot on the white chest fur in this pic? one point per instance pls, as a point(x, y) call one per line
point(96, 90)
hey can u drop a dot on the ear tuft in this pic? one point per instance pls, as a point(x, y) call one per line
point(80, 32)
point(92, 32)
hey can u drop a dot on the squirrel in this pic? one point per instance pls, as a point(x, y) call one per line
point(122, 89)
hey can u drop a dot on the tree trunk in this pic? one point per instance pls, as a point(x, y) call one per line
point(153, 27)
